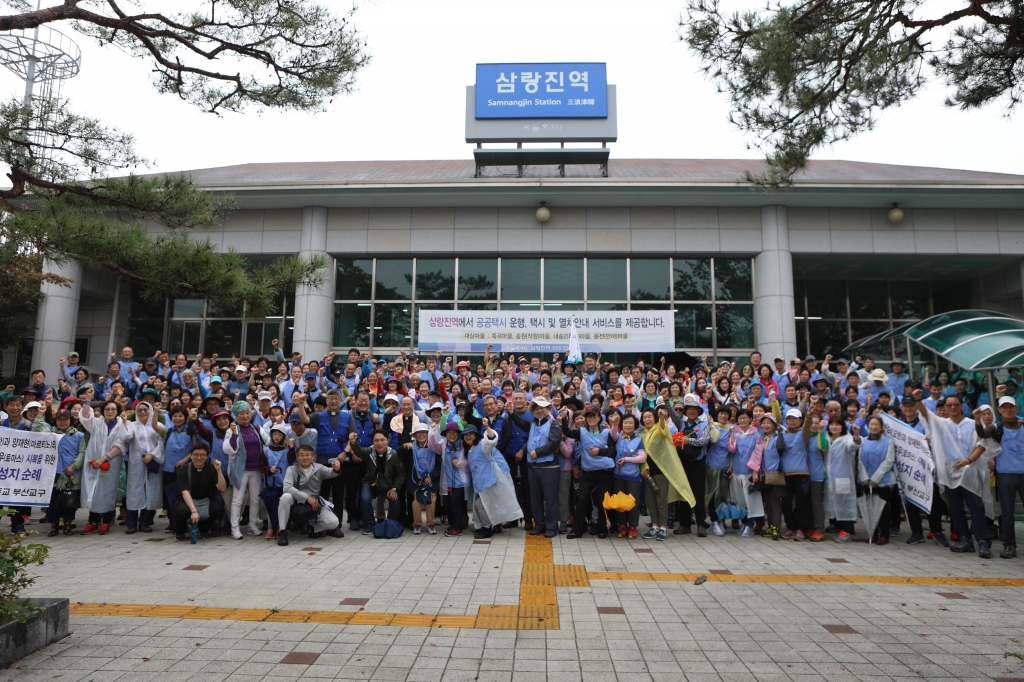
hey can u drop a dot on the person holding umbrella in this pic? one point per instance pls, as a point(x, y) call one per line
point(874, 470)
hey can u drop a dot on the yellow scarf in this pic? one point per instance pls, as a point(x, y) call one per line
point(658, 446)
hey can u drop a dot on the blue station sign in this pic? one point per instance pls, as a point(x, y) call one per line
point(568, 90)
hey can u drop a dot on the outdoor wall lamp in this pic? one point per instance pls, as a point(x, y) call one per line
point(543, 213)
point(895, 214)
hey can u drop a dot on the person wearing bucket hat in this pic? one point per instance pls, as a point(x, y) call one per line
point(692, 435)
point(544, 434)
point(214, 436)
point(448, 444)
point(877, 384)
point(427, 476)
point(597, 464)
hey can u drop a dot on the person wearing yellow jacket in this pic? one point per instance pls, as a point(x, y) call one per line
point(662, 472)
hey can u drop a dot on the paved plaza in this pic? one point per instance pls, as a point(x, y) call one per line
point(146, 607)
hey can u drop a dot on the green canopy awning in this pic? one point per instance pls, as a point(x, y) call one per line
point(972, 339)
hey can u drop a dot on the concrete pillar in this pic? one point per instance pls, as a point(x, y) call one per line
point(314, 308)
point(57, 320)
point(773, 287)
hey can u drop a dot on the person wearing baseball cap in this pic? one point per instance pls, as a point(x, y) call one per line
point(67, 483)
point(1009, 467)
point(796, 505)
point(542, 441)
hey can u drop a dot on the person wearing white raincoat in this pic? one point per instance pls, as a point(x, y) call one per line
point(143, 441)
point(978, 478)
point(951, 440)
point(103, 457)
point(839, 450)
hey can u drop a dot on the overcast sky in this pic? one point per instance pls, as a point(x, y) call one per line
point(410, 101)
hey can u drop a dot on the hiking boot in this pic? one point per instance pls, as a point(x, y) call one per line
point(632, 533)
point(1009, 552)
point(510, 524)
point(603, 535)
point(816, 536)
point(681, 530)
point(799, 536)
point(104, 529)
point(842, 537)
point(985, 549)
point(90, 529)
point(282, 538)
point(702, 531)
point(431, 530)
point(940, 538)
point(482, 533)
point(573, 535)
point(882, 540)
point(537, 530)
point(963, 546)
point(353, 525)
point(623, 532)
point(54, 529)
point(775, 534)
point(68, 530)
point(915, 539)
point(449, 532)
point(416, 530)
point(337, 533)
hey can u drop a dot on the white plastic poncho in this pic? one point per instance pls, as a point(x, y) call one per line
point(99, 488)
point(145, 490)
point(841, 471)
point(499, 500)
point(977, 477)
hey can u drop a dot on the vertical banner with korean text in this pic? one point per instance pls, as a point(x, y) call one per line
point(28, 465)
point(914, 464)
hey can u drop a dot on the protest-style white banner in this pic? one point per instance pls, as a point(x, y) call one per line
point(545, 331)
point(28, 465)
point(914, 464)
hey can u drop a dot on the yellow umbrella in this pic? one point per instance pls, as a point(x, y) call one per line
point(620, 502)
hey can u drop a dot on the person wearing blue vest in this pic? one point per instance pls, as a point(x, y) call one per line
point(362, 421)
point(875, 472)
point(273, 465)
point(478, 448)
point(718, 465)
point(67, 483)
point(694, 435)
point(214, 437)
point(764, 461)
point(177, 447)
point(332, 427)
point(1008, 466)
point(427, 476)
point(597, 463)
point(454, 470)
point(543, 439)
point(792, 446)
point(629, 455)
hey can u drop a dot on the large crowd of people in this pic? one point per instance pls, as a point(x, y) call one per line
point(780, 450)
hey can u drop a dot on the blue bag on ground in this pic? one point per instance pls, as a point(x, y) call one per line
point(387, 529)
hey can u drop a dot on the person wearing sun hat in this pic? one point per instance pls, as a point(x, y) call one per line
point(244, 445)
point(447, 443)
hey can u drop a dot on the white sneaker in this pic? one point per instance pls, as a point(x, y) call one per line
point(415, 530)
point(236, 535)
point(253, 530)
point(716, 528)
point(747, 532)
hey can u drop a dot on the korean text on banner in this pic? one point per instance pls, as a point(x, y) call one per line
point(28, 466)
point(914, 464)
point(464, 331)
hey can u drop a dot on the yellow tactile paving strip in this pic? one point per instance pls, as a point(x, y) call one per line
point(803, 578)
point(538, 601)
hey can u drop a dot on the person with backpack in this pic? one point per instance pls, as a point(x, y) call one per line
point(273, 465)
point(426, 475)
point(302, 484)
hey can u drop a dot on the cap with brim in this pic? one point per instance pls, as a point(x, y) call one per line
point(295, 417)
point(810, 358)
point(33, 404)
point(574, 403)
point(541, 402)
point(780, 357)
point(150, 361)
point(381, 362)
point(822, 377)
point(592, 412)
point(769, 415)
point(897, 361)
point(690, 400)
point(152, 392)
point(391, 397)
point(878, 375)
point(420, 428)
point(451, 426)
point(33, 390)
point(264, 395)
point(221, 413)
point(213, 397)
point(793, 412)
point(242, 369)
point(470, 428)
point(69, 401)
point(309, 375)
point(795, 361)
point(842, 361)
point(400, 361)
point(63, 413)
point(435, 406)
point(1006, 400)
point(462, 363)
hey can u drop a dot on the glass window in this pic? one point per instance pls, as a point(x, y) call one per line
point(798, 301)
point(826, 337)
point(869, 299)
point(733, 280)
point(520, 306)
point(606, 306)
point(563, 279)
point(801, 340)
point(693, 326)
point(692, 279)
point(232, 308)
point(478, 306)
point(254, 338)
point(426, 306)
point(145, 336)
point(435, 279)
point(394, 279)
point(351, 324)
point(563, 306)
point(862, 330)
point(947, 296)
point(271, 331)
point(826, 299)
point(649, 306)
point(391, 324)
point(734, 326)
point(649, 279)
point(223, 337)
point(520, 279)
point(478, 279)
point(909, 300)
point(354, 279)
point(187, 307)
point(606, 279)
